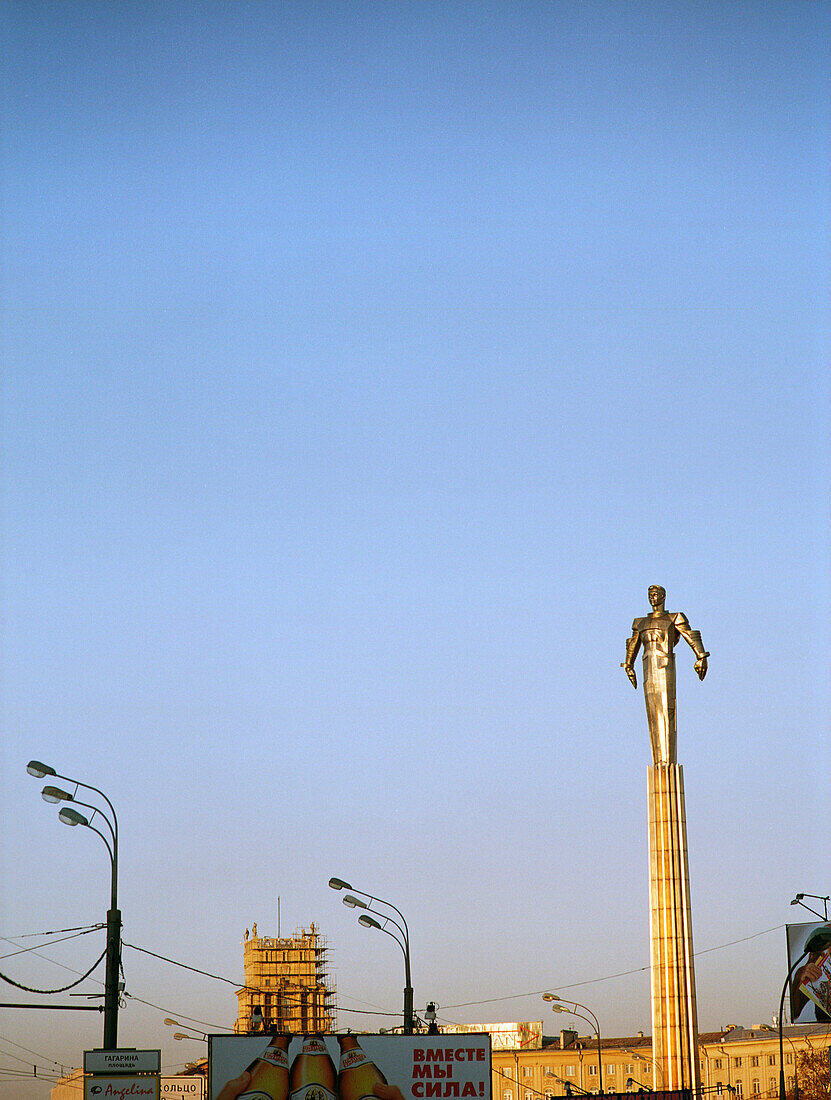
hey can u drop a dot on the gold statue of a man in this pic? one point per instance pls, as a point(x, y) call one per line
point(658, 633)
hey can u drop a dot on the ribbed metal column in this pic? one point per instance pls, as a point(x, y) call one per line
point(674, 1014)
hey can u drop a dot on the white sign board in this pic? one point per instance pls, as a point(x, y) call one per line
point(122, 1061)
point(525, 1035)
point(121, 1086)
point(185, 1087)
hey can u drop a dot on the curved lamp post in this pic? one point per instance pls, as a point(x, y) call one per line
point(69, 816)
point(353, 902)
point(818, 941)
point(562, 1006)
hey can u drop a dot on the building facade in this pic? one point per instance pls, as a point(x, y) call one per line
point(740, 1063)
point(287, 979)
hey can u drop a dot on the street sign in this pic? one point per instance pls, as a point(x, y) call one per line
point(125, 1060)
point(120, 1086)
point(183, 1087)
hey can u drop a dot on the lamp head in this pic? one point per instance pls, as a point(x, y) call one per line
point(171, 1023)
point(352, 902)
point(55, 794)
point(339, 884)
point(71, 817)
point(550, 997)
point(38, 770)
point(368, 922)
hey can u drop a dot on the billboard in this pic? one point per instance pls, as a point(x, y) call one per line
point(524, 1035)
point(402, 1067)
point(811, 981)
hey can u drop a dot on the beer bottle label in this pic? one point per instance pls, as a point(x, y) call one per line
point(350, 1058)
point(276, 1057)
point(314, 1046)
point(312, 1091)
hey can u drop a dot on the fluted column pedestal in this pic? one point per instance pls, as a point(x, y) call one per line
point(674, 1014)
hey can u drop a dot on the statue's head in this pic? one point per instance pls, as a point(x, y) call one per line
point(657, 595)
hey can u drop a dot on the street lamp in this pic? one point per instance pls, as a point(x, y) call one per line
point(817, 897)
point(561, 1007)
point(817, 942)
point(201, 1036)
point(652, 1061)
point(352, 902)
point(69, 816)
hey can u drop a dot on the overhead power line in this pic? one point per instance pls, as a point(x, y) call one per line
point(36, 947)
point(230, 981)
point(609, 977)
point(61, 989)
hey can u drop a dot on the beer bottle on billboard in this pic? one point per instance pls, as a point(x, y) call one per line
point(270, 1072)
point(313, 1072)
point(357, 1073)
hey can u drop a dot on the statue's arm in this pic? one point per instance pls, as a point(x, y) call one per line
point(693, 640)
point(633, 644)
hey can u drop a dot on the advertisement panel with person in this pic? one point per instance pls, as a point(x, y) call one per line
point(811, 981)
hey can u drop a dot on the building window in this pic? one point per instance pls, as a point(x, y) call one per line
point(771, 1059)
point(592, 1071)
point(737, 1061)
point(527, 1071)
point(549, 1071)
point(647, 1068)
point(755, 1088)
point(789, 1059)
point(528, 1096)
point(507, 1072)
point(772, 1084)
point(754, 1061)
point(630, 1068)
point(549, 1095)
point(610, 1070)
point(739, 1090)
point(506, 1095)
point(569, 1071)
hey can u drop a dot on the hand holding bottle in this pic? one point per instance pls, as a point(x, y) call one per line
point(233, 1088)
point(387, 1092)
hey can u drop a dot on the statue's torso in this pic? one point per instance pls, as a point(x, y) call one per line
point(658, 636)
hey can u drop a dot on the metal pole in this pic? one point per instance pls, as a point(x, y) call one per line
point(111, 979)
point(782, 1095)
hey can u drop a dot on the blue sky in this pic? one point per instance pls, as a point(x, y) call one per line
point(363, 365)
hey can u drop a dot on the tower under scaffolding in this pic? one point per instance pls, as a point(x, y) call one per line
point(287, 979)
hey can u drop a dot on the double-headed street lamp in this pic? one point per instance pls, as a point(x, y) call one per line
point(70, 816)
point(562, 1006)
point(353, 902)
